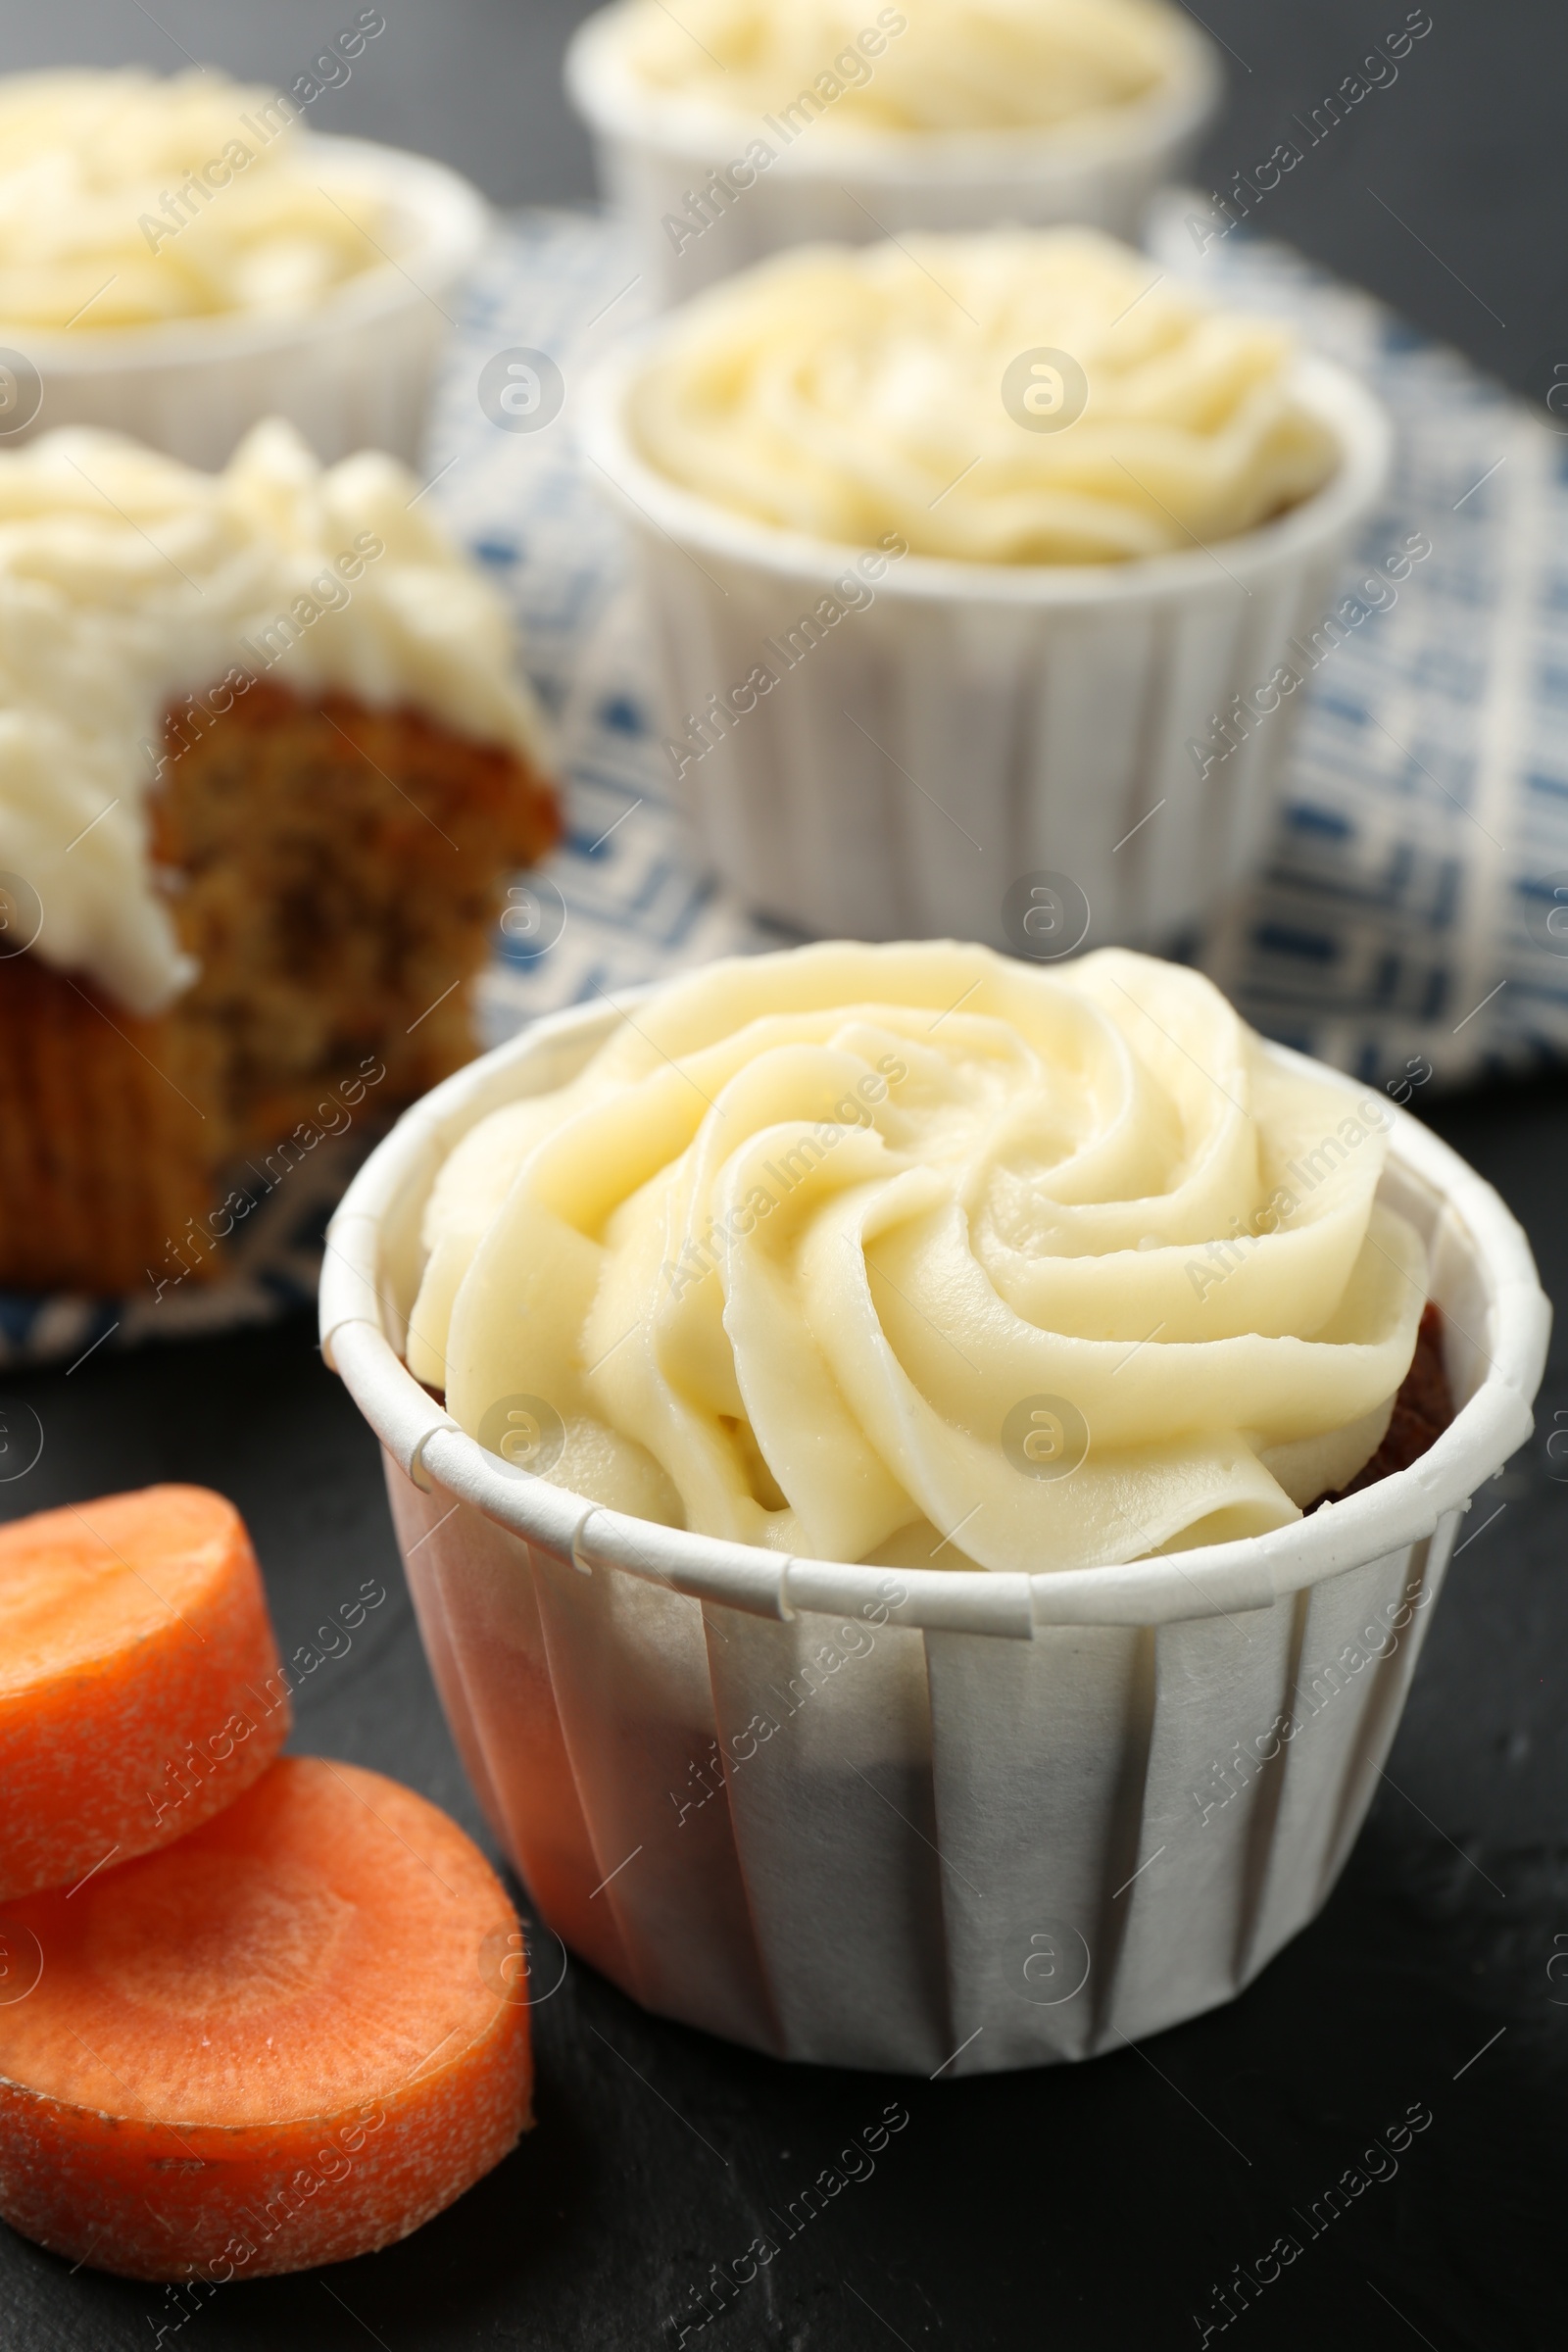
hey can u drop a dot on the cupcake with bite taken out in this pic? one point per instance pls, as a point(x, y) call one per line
point(266, 765)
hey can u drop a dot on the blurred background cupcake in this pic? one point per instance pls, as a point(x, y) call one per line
point(263, 768)
point(749, 125)
point(180, 258)
point(977, 562)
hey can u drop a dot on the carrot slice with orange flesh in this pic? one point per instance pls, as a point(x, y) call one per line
point(139, 1681)
point(290, 2039)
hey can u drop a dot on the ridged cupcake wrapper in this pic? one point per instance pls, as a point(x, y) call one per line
point(922, 758)
point(1027, 1850)
point(963, 726)
point(923, 1820)
point(822, 185)
point(355, 374)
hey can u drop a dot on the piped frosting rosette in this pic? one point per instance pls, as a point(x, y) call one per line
point(922, 1257)
point(847, 391)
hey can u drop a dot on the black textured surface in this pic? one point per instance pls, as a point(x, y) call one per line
point(1086, 2208)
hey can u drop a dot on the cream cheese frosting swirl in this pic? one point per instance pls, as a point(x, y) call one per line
point(125, 199)
point(128, 581)
point(918, 1256)
point(930, 66)
point(849, 392)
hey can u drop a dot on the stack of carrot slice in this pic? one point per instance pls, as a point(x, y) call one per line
point(293, 2027)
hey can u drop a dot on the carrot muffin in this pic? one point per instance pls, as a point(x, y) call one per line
point(265, 765)
point(956, 551)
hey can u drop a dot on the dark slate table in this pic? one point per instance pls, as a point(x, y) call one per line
point(1086, 2208)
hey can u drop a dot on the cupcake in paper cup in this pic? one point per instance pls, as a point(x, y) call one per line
point(924, 1481)
point(735, 129)
point(181, 258)
point(974, 567)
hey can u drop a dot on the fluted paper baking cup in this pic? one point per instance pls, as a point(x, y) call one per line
point(917, 1819)
point(960, 727)
point(354, 372)
point(655, 153)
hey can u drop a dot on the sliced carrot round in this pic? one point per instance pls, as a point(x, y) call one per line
point(290, 2039)
point(140, 1689)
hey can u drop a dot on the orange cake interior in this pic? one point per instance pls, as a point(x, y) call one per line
point(334, 871)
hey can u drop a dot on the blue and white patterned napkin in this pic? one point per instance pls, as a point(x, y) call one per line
point(1405, 918)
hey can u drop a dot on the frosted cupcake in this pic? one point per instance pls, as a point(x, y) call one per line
point(934, 1486)
point(265, 765)
point(180, 258)
point(751, 126)
point(959, 549)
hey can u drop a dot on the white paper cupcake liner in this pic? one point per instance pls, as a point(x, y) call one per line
point(652, 154)
point(355, 373)
point(967, 726)
point(924, 1820)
